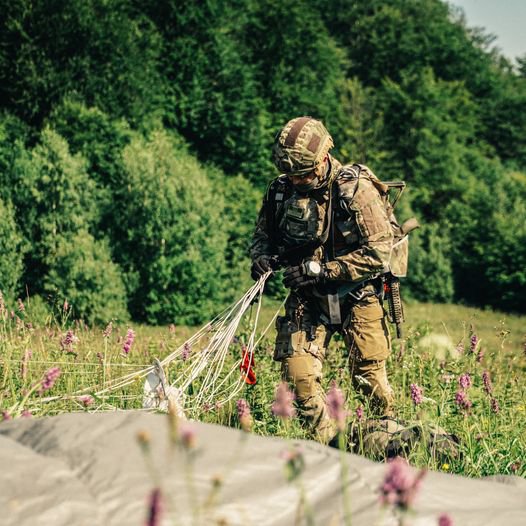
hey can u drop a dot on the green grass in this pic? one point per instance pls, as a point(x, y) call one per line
point(491, 443)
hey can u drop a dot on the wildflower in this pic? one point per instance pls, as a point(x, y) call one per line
point(474, 342)
point(26, 413)
point(445, 520)
point(207, 407)
point(130, 336)
point(464, 381)
point(359, 413)
point(21, 307)
point(462, 400)
point(25, 359)
point(480, 355)
point(50, 377)
point(487, 382)
point(6, 416)
point(154, 508)
point(495, 405)
point(416, 394)
point(282, 405)
point(68, 341)
point(186, 352)
point(187, 437)
point(243, 414)
point(3, 310)
point(86, 400)
point(335, 406)
point(106, 333)
point(445, 466)
point(400, 485)
point(294, 462)
point(65, 306)
point(515, 467)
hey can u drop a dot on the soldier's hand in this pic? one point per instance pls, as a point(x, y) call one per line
point(262, 264)
point(309, 273)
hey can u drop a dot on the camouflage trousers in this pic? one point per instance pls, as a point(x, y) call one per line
point(301, 343)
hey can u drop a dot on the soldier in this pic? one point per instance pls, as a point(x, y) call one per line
point(327, 225)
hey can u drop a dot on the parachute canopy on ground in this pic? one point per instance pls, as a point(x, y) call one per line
point(88, 469)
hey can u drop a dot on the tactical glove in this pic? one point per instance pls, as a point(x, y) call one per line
point(308, 273)
point(263, 264)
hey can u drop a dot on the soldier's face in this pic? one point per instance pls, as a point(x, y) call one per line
point(307, 179)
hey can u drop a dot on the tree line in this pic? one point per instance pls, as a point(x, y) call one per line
point(135, 143)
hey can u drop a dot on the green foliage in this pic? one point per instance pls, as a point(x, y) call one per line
point(11, 250)
point(83, 273)
point(171, 241)
point(430, 275)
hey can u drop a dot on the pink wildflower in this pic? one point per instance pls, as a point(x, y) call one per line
point(86, 400)
point(50, 377)
point(359, 413)
point(154, 508)
point(68, 341)
point(495, 405)
point(282, 405)
point(462, 400)
point(474, 341)
point(106, 333)
point(335, 406)
point(130, 336)
point(488, 387)
point(417, 394)
point(445, 520)
point(464, 381)
point(294, 462)
point(187, 349)
point(187, 436)
point(26, 413)
point(400, 485)
point(243, 414)
point(6, 416)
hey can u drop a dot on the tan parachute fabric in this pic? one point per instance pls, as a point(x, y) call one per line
point(87, 469)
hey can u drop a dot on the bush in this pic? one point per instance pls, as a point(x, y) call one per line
point(11, 250)
point(83, 273)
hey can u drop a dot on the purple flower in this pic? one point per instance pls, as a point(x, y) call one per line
point(474, 341)
point(187, 437)
point(86, 400)
point(186, 352)
point(130, 336)
point(106, 333)
point(68, 341)
point(359, 413)
point(462, 400)
point(50, 377)
point(487, 382)
point(400, 485)
point(445, 520)
point(335, 406)
point(6, 416)
point(282, 405)
point(154, 508)
point(243, 414)
point(417, 394)
point(294, 462)
point(464, 381)
point(495, 405)
point(26, 413)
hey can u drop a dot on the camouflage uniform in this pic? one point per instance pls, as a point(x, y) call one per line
point(356, 250)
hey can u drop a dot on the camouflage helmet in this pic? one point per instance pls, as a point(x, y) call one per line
point(301, 146)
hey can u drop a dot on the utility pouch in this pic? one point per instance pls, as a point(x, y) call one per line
point(288, 337)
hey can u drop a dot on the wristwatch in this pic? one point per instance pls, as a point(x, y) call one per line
point(312, 268)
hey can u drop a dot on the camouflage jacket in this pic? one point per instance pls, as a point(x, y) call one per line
point(292, 225)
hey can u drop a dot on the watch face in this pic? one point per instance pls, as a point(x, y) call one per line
point(313, 268)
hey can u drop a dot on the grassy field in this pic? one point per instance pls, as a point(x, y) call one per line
point(442, 342)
